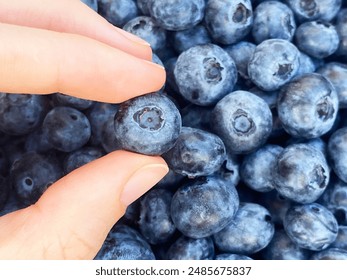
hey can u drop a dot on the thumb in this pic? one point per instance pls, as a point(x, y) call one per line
point(73, 217)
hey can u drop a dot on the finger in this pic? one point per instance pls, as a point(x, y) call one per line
point(41, 61)
point(72, 218)
point(71, 16)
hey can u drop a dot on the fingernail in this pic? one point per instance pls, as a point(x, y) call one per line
point(134, 38)
point(141, 181)
point(154, 64)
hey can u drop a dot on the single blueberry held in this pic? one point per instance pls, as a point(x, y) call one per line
point(257, 169)
point(228, 21)
point(336, 73)
point(273, 20)
point(232, 257)
point(146, 28)
point(330, 254)
point(148, 124)
point(177, 15)
point(196, 153)
point(306, 10)
point(243, 121)
point(337, 151)
point(274, 63)
point(307, 106)
point(317, 39)
point(70, 101)
point(118, 12)
point(204, 74)
point(21, 114)
point(204, 206)
point(311, 226)
point(66, 128)
point(32, 174)
point(185, 248)
point(250, 231)
point(301, 173)
point(282, 247)
point(155, 222)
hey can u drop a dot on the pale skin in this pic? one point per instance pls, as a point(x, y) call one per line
point(64, 46)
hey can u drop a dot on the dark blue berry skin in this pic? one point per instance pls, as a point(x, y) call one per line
point(196, 153)
point(257, 169)
point(185, 39)
point(330, 254)
point(229, 171)
point(244, 121)
point(306, 10)
point(171, 181)
point(317, 39)
point(337, 151)
point(170, 83)
point(148, 124)
point(185, 248)
point(125, 243)
point(177, 15)
point(270, 97)
point(37, 141)
point(307, 106)
point(336, 73)
point(341, 239)
point(70, 101)
point(197, 116)
point(143, 7)
point(250, 231)
point(273, 20)
point(341, 28)
point(146, 28)
point(5, 189)
point(81, 157)
point(108, 138)
point(282, 247)
point(301, 173)
point(21, 114)
point(92, 4)
point(241, 53)
point(335, 199)
point(204, 206)
point(32, 174)
point(232, 257)
point(204, 74)
point(98, 115)
point(118, 12)
point(274, 63)
point(228, 21)
point(311, 226)
point(307, 64)
point(155, 222)
point(66, 128)
point(4, 164)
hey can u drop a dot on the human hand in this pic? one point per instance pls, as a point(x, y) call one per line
point(63, 46)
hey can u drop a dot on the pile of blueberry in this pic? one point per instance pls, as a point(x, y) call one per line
point(251, 122)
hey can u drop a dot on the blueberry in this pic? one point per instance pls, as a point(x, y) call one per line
point(228, 21)
point(171, 181)
point(118, 12)
point(241, 53)
point(66, 128)
point(336, 73)
point(92, 4)
point(337, 151)
point(37, 141)
point(204, 206)
point(143, 6)
point(257, 169)
point(177, 15)
point(330, 254)
point(81, 157)
point(155, 219)
point(341, 28)
point(341, 239)
point(274, 63)
point(232, 257)
point(307, 64)
point(196, 153)
point(32, 174)
point(270, 97)
point(21, 114)
point(185, 39)
point(108, 138)
point(146, 28)
point(301, 173)
point(250, 231)
point(229, 171)
point(204, 74)
point(243, 121)
point(306, 10)
point(5, 190)
point(196, 116)
point(148, 124)
point(185, 248)
point(307, 106)
point(273, 20)
point(4, 164)
point(311, 226)
point(70, 101)
point(317, 39)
